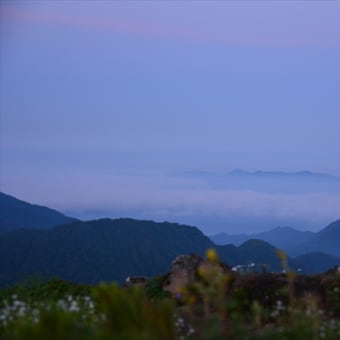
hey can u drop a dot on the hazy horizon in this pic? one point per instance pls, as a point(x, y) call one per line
point(103, 104)
point(235, 202)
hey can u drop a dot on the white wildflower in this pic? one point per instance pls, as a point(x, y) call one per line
point(22, 311)
point(74, 307)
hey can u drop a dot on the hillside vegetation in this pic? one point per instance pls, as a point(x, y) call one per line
point(215, 304)
point(108, 250)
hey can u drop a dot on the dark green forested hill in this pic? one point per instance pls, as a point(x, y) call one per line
point(98, 250)
point(106, 250)
point(15, 214)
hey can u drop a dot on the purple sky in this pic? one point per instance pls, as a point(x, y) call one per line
point(103, 101)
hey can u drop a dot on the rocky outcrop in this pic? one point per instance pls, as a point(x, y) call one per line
point(269, 288)
point(184, 271)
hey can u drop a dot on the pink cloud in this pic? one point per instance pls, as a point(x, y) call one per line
point(227, 36)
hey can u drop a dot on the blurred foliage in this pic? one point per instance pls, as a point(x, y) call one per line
point(218, 305)
point(42, 289)
point(154, 289)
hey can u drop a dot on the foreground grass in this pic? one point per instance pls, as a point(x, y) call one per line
point(214, 307)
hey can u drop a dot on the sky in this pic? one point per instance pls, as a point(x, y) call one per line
point(104, 103)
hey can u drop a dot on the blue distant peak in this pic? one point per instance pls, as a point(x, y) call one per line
point(303, 173)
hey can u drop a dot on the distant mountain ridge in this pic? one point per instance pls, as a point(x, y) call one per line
point(275, 173)
point(105, 250)
point(15, 214)
point(326, 241)
point(111, 250)
point(302, 173)
point(285, 238)
point(268, 181)
point(292, 241)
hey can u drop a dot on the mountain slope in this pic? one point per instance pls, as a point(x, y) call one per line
point(106, 250)
point(236, 239)
point(261, 252)
point(90, 252)
point(110, 250)
point(316, 262)
point(285, 238)
point(16, 214)
point(326, 241)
